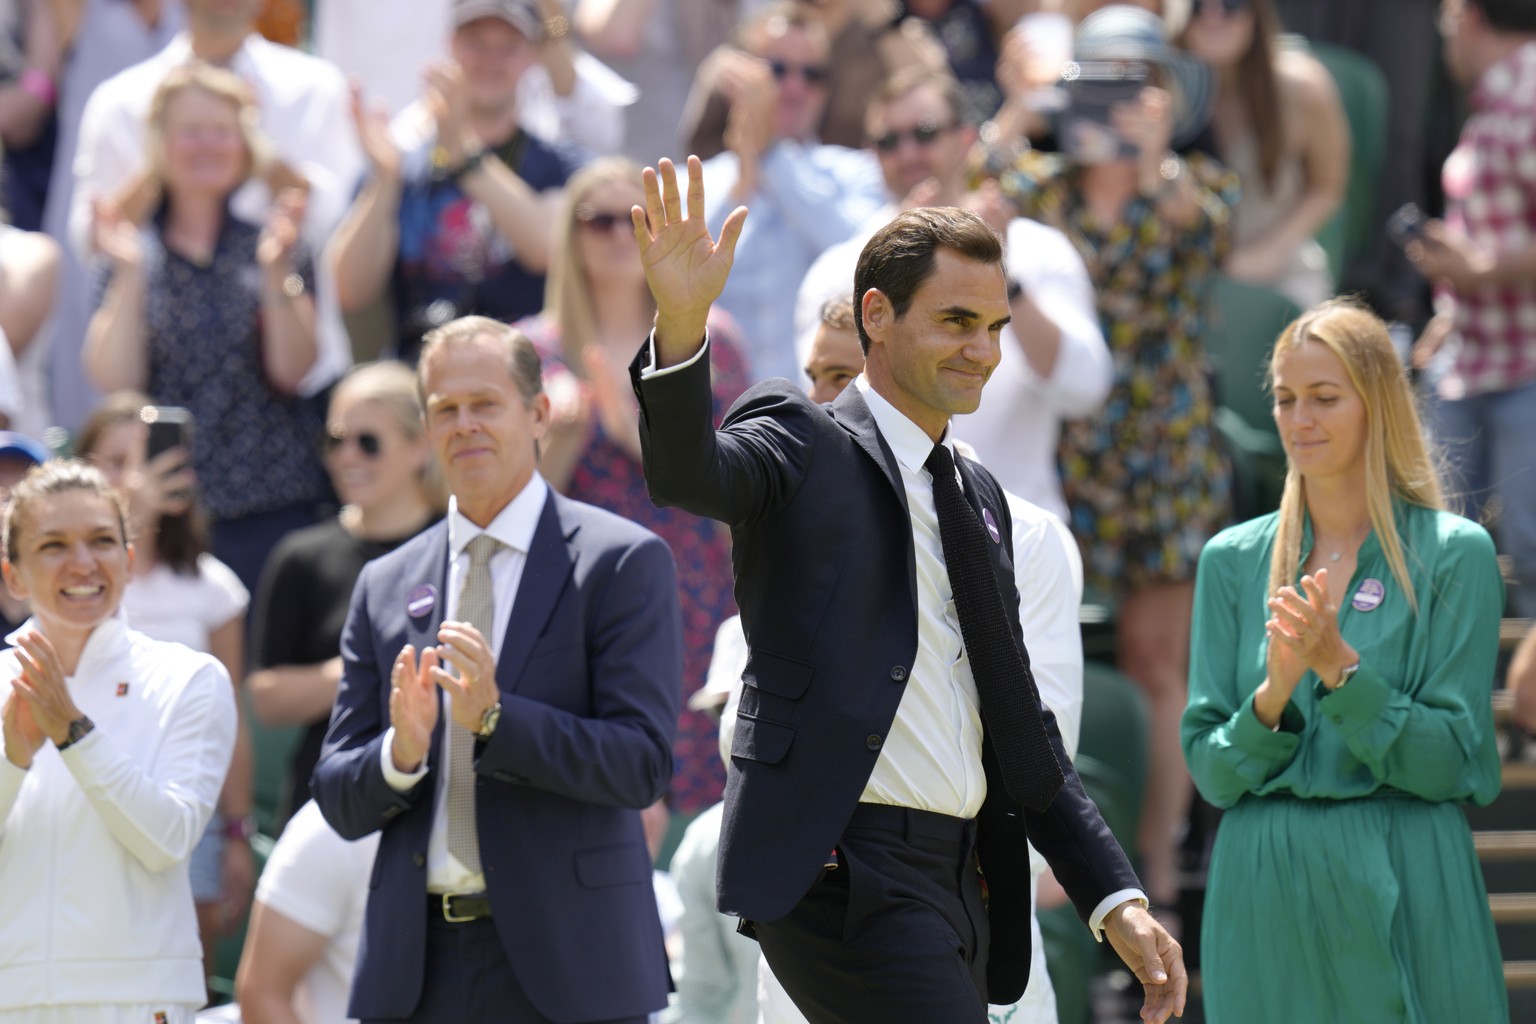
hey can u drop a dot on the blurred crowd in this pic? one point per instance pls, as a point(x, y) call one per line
point(253, 210)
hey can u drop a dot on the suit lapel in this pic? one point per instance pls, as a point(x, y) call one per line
point(852, 414)
point(545, 571)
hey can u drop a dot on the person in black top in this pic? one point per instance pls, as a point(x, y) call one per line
point(388, 480)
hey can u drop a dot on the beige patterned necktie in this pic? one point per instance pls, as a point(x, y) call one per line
point(477, 606)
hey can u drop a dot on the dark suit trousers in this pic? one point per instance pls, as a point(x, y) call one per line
point(896, 933)
point(467, 978)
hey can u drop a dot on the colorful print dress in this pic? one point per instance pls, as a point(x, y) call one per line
point(1145, 479)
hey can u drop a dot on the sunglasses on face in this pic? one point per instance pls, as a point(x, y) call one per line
point(367, 443)
point(1228, 7)
point(603, 222)
point(814, 74)
point(924, 135)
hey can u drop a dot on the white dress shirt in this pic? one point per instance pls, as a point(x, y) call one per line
point(305, 112)
point(514, 526)
point(931, 758)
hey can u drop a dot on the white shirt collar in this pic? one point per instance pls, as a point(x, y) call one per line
point(909, 442)
point(513, 525)
point(104, 644)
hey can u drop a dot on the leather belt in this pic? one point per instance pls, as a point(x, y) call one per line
point(456, 908)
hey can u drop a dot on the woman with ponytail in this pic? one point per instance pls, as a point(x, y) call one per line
point(1342, 656)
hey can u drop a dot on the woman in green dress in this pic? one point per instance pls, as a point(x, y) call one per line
point(1343, 654)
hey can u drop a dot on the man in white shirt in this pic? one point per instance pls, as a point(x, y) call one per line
point(306, 925)
point(1055, 364)
point(303, 105)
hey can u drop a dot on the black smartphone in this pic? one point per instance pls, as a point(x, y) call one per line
point(170, 426)
point(1406, 225)
point(1093, 90)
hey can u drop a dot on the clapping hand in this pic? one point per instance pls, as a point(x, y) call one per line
point(1306, 624)
point(413, 706)
point(372, 125)
point(23, 738)
point(447, 99)
point(685, 268)
point(41, 685)
point(474, 689)
point(274, 249)
point(117, 236)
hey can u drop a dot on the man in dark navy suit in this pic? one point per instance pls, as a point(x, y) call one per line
point(891, 756)
point(512, 881)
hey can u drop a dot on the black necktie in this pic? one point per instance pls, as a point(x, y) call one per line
point(1010, 704)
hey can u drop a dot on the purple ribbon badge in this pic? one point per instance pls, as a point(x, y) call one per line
point(1369, 596)
point(986, 517)
point(421, 601)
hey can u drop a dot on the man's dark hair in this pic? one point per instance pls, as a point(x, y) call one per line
point(900, 256)
point(1507, 15)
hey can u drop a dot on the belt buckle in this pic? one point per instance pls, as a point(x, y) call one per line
point(448, 915)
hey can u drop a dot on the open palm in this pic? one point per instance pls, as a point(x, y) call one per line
point(685, 268)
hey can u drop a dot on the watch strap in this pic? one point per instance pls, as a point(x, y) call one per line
point(79, 729)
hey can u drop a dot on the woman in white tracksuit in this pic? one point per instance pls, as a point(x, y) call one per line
point(115, 750)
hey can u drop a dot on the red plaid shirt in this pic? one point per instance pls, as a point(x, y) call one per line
point(1490, 190)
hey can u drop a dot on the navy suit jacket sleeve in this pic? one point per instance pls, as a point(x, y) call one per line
point(349, 782)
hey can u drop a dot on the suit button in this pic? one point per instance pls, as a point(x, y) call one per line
point(873, 741)
point(899, 673)
point(419, 859)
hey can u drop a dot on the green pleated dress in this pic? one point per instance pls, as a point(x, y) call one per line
point(1343, 884)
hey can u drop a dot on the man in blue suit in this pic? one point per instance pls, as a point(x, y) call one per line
point(508, 704)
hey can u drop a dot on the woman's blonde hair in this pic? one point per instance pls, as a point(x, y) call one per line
point(392, 385)
point(568, 294)
point(143, 194)
point(1398, 463)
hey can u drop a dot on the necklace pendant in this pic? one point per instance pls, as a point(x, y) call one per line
point(1334, 556)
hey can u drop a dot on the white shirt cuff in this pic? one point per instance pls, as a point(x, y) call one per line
point(650, 369)
point(1108, 903)
point(399, 781)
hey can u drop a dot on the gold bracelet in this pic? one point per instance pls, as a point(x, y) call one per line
point(557, 27)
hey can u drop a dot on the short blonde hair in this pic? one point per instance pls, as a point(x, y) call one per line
point(139, 199)
point(392, 385)
point(522, 358)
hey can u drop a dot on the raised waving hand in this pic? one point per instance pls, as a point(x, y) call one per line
point(685, 268)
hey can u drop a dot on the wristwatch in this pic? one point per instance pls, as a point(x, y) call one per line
point(441, 171)
point(79, 729)
point(488, 721)
point(1346, 675)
